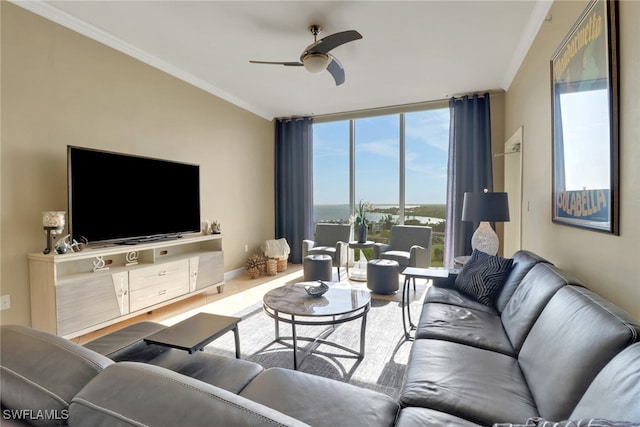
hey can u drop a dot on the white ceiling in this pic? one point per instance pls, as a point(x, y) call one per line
point(411, 51)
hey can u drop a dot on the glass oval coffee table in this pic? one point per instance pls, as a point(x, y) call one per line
point(291, 304)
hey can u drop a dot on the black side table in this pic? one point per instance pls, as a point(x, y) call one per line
point(196, 332)
point(413, 273)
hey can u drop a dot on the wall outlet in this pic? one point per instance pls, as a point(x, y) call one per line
point(246, 248)
point(5, 302)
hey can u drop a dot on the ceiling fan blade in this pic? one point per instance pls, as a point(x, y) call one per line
point(336, 70)
point(287, 64)
point(324, 45)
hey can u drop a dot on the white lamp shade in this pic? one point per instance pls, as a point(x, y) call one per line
point(315, 62)
point(53, 219)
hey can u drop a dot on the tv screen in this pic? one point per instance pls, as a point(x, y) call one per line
point(122, 198)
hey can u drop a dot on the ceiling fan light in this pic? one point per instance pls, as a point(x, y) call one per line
point(315, 62)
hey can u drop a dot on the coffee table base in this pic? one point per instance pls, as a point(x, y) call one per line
point(333, 323)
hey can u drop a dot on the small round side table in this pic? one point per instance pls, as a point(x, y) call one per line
point(359, 270)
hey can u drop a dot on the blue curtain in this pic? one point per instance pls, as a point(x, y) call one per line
point(294, 183)
point(469, 168)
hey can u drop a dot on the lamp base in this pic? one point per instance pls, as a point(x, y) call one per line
point(51, 231)
point(485, 239)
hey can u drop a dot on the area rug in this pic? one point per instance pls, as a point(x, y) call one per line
point(386, 351)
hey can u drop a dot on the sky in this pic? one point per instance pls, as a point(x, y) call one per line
point(585, 124)
point(377, 159)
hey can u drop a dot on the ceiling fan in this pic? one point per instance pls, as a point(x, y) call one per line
point(316, 57)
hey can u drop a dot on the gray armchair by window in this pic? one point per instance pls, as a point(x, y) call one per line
point(410, 245)
point(332, 240)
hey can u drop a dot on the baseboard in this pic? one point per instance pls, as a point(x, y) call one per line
point(233, 274)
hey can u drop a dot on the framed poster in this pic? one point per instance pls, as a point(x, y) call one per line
point(584, 109)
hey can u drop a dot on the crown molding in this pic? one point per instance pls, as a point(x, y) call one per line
point(538, 16)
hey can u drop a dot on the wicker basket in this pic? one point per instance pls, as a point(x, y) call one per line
point(282, 265)
point(272, 267)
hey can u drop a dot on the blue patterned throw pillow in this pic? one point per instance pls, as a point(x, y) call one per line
point(483, 277)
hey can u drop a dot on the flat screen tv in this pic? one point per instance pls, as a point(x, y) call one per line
point(127, 199)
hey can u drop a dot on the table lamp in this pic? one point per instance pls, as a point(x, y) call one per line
point(53, 223)
point(485, 207)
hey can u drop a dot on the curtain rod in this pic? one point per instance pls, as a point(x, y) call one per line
point(378, 111)
point(480, 93)
point(292, 118)
point(392, 109)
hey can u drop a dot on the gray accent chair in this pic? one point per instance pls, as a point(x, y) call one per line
point(332, 240)
point(410, 245)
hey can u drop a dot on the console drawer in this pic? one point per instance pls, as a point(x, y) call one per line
point(152, 285)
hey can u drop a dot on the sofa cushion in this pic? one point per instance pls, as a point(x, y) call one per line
point(421, 417)
point(529, 299)
point(224, 372)
point(619, 381)
point(42, 372)
point(523, 261)
point(132, 393)
point(574, 337)
point(330, 234)
point(463, 325)
point(402, 257)
point(321, 401)
point(483, 277)
point(323, 250)
point(127, 344)
point(471, 383)
point(450, 296)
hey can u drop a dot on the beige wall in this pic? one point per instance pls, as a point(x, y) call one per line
point(61, 88)
point(610, 265)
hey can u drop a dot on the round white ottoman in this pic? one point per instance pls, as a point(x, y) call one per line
point(317, 267)
point(382, 276)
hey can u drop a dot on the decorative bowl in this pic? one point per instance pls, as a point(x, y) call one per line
point(316, 291)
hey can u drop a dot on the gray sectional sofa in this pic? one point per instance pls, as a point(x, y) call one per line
point(548, 348)
point(545, 347)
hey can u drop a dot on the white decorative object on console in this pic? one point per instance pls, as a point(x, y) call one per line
point(132, 258)
point(99, 264)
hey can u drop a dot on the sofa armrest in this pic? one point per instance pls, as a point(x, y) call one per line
point(106, 400)
point(380, 248)
point(448, 282)
point(306, 247)
point(419, 256)
point(43, 372)
point(341, 253)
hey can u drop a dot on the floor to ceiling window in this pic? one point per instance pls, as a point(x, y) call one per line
point(377, 167)
point(397, 162)
point(331, 171)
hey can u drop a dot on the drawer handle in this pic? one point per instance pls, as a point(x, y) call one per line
point(163, 273)
point(162, 292)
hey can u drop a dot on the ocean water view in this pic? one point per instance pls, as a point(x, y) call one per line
point(340, 213)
